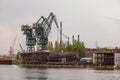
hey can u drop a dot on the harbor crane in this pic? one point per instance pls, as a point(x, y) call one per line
point(30, 38)
point(42, 29)
point(38, 33)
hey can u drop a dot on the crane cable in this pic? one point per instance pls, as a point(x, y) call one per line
point(58, 30)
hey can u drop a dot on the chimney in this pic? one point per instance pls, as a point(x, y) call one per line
point(73, 39)
point(78, 39)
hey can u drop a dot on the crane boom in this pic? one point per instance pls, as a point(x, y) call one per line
point(65, 36)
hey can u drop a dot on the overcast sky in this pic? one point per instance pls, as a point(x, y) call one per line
point(93, 20)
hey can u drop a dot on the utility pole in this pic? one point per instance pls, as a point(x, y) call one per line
point(60, 34)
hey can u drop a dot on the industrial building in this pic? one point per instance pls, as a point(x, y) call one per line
point(106, 59)
point(89, 52)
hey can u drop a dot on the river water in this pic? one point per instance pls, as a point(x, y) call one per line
point(14, 72)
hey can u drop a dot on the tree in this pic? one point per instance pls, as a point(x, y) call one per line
point(78, 47)
point(81, 50)
point(18, 56)
point(56, 46)
point(49, 46)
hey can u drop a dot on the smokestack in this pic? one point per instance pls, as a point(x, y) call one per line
point(60, 34)
point(73, 39)
point(96, 44)
point(78, 39)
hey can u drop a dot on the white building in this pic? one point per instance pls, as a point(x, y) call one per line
point(117, 59)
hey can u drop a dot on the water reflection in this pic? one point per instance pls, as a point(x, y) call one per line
point(107, 74)
point(35, 74)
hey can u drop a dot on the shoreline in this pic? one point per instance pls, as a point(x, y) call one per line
point(68, 66)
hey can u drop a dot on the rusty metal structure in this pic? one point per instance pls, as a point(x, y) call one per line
point(30, 38)
point(37, 34)
point(34, 58)
point(44, 57)
point(42, 29)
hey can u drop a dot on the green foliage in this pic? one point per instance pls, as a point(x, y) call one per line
point(105, 48)
point(56, 46)
point(69, 47)
point(49, 46)
point(77, 47)
point(18, 56)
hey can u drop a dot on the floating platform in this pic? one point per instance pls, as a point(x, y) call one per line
point(52, 60)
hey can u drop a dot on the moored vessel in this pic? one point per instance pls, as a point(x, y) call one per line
point(6, 61)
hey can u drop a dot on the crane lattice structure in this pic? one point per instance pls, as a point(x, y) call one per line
point(38, 33)
point(30, 38)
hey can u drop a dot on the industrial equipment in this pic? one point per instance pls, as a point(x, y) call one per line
point(30, 38)
point(42, 29)
point(22, 50)
point(38, 33)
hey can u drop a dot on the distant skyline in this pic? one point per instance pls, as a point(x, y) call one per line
point(93, 20)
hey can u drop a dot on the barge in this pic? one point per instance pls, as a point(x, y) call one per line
point(49, 59)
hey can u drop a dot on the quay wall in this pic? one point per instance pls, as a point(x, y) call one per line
point(59, 65)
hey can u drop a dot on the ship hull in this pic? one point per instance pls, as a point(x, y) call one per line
point(5, 61)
